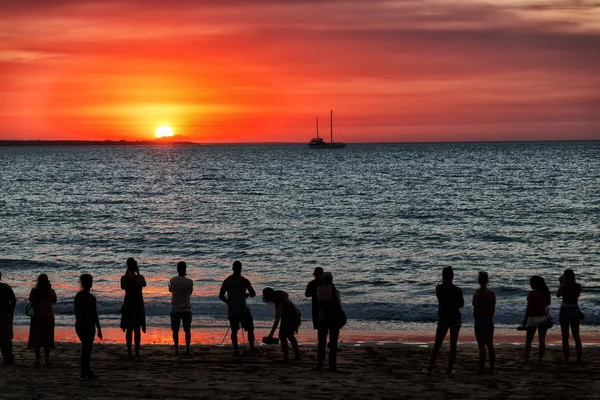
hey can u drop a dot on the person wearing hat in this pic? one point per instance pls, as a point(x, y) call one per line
point(311, 291)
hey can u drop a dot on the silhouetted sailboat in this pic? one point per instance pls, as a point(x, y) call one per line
point(319, 143)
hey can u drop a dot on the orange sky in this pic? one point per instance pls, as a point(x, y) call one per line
point(261, 71)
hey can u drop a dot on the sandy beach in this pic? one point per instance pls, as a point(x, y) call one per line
point(366, 371)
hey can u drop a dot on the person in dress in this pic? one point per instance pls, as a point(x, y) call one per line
point(570, 315)
point(484, 308)
point(330, 320)
point(181, 289)
point(450, 301)
point(133, 313)
point(290, 318)
point(86, 323)
point(8, 302)
point(238, 289)
point(311, 291)
point(538, 300)
point(41, 328)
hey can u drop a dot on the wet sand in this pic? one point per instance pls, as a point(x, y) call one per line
point(388, 371)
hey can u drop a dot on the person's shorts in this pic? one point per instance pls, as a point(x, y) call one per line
point(537, 322)
point(569, 315)
point(450, 322)
point(484, 324)
point(176, 319)
point(244, 319)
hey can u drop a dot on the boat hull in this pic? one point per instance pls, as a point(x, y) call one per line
point(327, 146)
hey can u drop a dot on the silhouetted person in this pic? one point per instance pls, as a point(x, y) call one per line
point(484, 308)
point(450, 300)
point(41, 328)
point(181, 289)
point(86, 322)
point(133, 313)
point(311, 291)
point(238, 289)
point(289, 316)
point(570, 315)
point(8, 302)
point(331, 319)
point(538, 301)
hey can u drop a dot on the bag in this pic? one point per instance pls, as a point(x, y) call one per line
point(340, 319)
point(29, 309)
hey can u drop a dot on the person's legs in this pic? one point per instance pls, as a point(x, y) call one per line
point(322, 338)
point(187, 327)
point(542, 337)
point(564, 330)
point(234, 339)
point(138, 340)
point(37, 351)
point(294, 343)
point(528, 340)
point(7, 352)
point(284, 345)
point(577, 339)
point(251, 340)
point(489, 342)
point(128, 339)
point(46, 355)
point(479, 336)
point(334, 335)
point(175, 324)
point(454, 331)
point(440, 334)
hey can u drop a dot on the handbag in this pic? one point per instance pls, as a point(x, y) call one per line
point(29, 309)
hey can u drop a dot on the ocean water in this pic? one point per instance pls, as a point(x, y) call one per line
point(384, 219)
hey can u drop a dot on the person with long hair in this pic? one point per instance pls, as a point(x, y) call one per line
point(86, 322)
point(8, 302)
point(41, 328)
point(570, 315)
point(288, 314)
point(331, 319)
point(538, 300)
point(484, 308)
point(450, 301)
point(133, 313)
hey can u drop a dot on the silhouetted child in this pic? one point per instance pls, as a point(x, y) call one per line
point(133, 313)
point(290, 317)
point(450, 300)
point(86, 322)
point(484, 308)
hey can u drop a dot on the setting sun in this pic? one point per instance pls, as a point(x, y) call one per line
point(163, 131)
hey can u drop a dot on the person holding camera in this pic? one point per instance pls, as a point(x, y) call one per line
point(133, 313)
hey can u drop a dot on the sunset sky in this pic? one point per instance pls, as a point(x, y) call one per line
point(262, 71)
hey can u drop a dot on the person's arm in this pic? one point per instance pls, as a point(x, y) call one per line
point(140, 281)
point(339, 297)
point(77, 306)
point(124, 283)
point(310, 290)
point(13, 299)
point(461, 299)
point(475, 303)
point(191, 286)
point(560, 290)
point(251, 292)
point(54, 298)
point(223, 291)
point(95, 316)
point(278, 311)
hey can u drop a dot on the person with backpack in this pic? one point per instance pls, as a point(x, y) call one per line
point(331, 319)
point(290, 317)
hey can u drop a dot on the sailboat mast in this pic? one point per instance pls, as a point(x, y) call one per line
point(317, 127)
point(331, 127)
